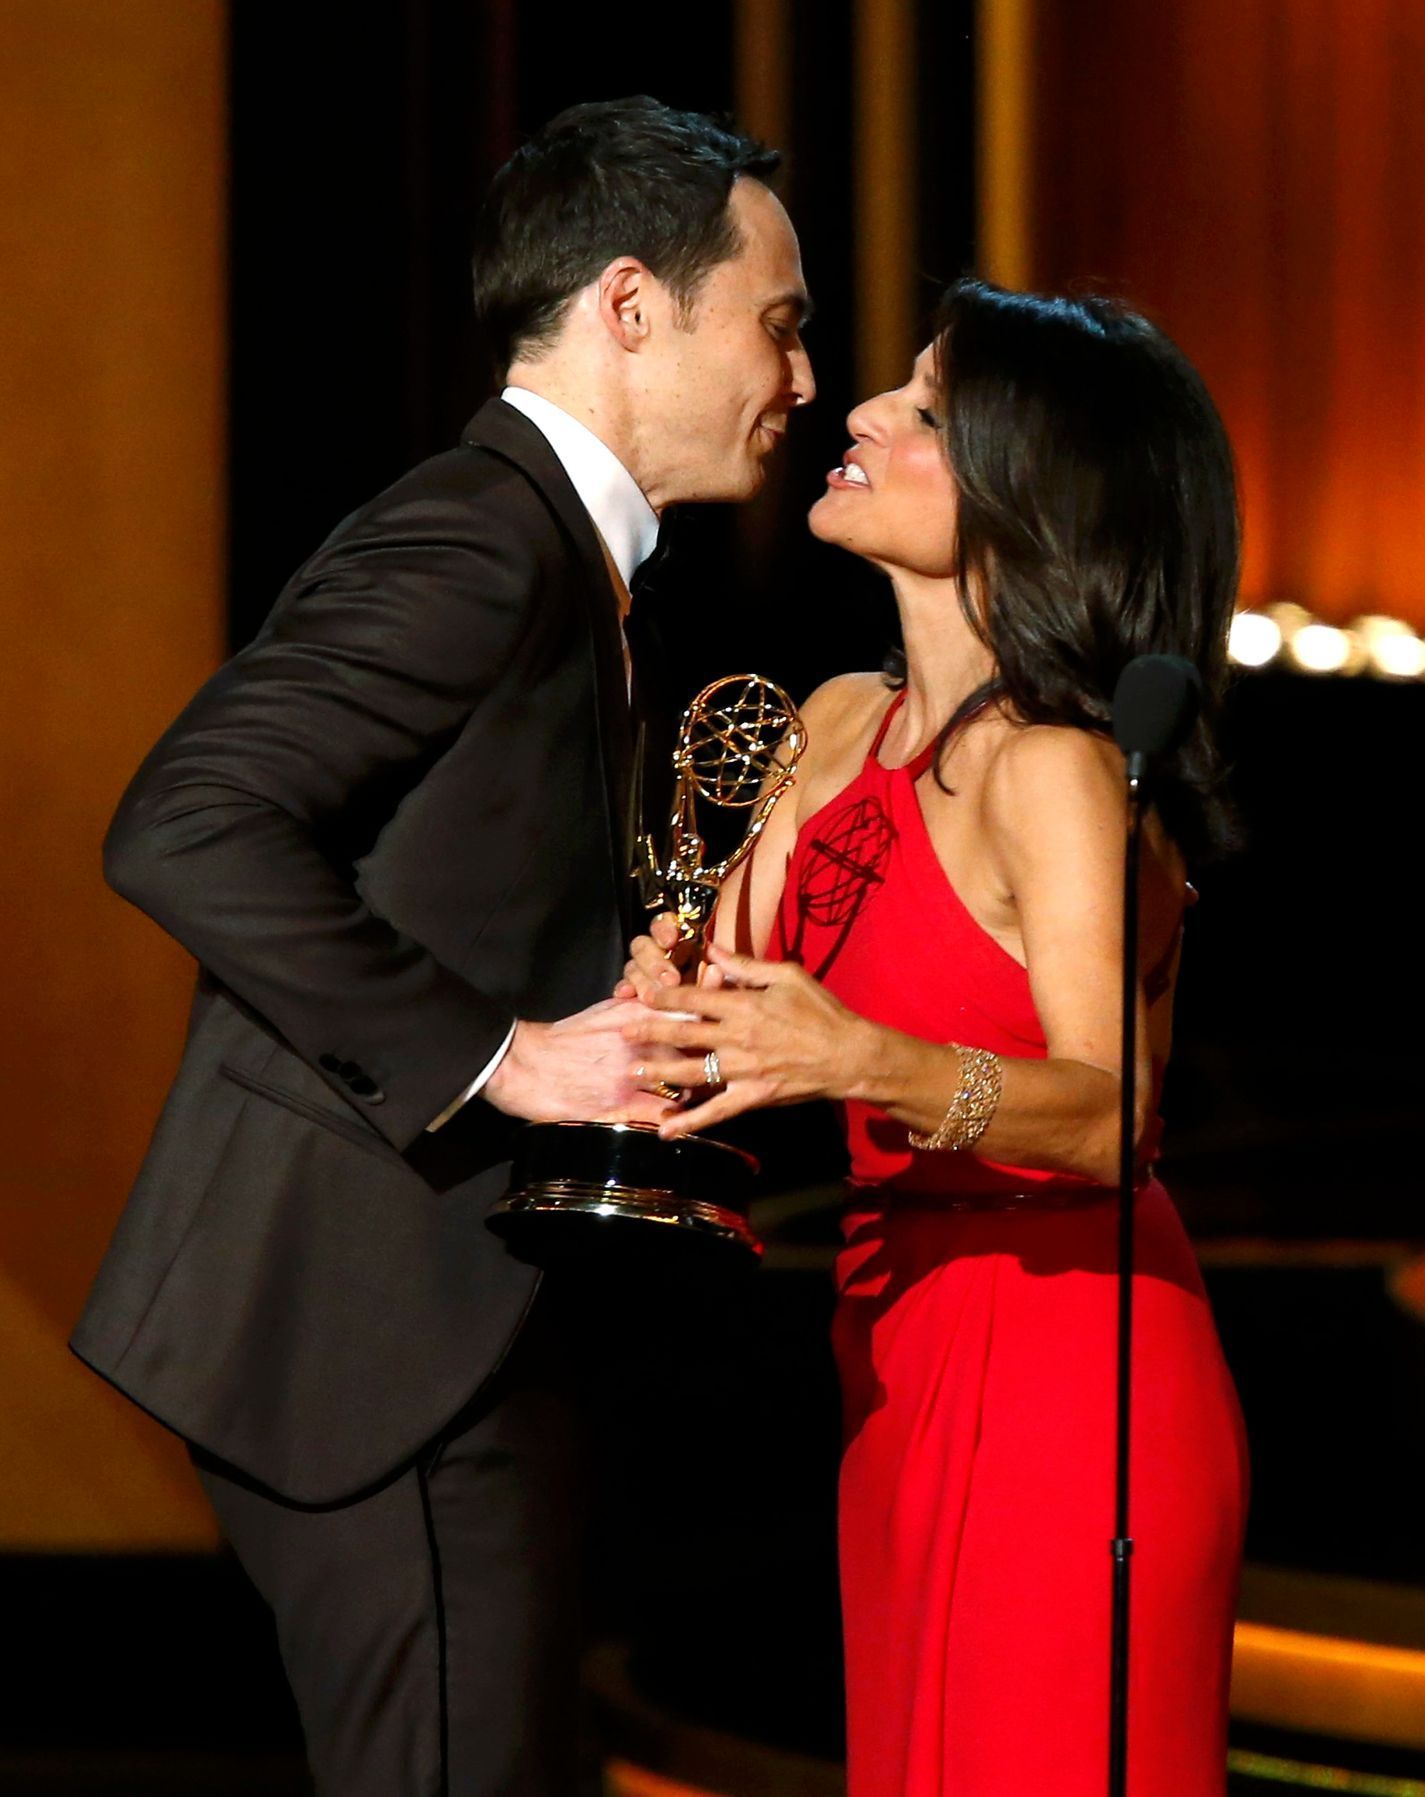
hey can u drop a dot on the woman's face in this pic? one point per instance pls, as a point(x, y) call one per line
point(892, 499)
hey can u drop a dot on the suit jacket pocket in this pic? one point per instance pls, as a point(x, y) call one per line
point(346, 1127)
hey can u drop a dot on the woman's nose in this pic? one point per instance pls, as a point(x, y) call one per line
point(861, 420)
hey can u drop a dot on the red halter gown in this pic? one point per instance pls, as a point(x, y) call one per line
point(975, 1336)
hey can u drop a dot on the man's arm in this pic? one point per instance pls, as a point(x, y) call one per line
point(480, 1081)
point(368, 673)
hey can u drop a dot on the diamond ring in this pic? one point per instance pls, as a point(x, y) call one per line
point(712, 1072)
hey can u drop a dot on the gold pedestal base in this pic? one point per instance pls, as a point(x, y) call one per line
point(572, 1184)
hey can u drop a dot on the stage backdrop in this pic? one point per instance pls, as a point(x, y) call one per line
point(1249, 171)
point(111, 460)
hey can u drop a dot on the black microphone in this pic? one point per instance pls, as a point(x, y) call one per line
point(1154, 704)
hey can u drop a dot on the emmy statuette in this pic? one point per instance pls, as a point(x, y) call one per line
point(576, 1188)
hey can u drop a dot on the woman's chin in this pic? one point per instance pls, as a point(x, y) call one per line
point(823, 522)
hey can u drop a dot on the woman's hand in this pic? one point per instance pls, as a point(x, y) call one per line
point(779, 1037)
point(650, 968)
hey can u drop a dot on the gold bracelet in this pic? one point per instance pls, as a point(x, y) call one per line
point(974, 1103)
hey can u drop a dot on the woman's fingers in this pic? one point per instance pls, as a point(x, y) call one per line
point(664, 929)
point(650, 1106)
point(651, 977)
point(730, 1102)
point(648, 975)
point(673, 1070)
point(652, 960)
point(717, 1004)
point(635, 984)
point(681, 1031)
point(744, 970)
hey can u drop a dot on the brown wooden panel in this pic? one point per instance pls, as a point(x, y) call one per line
point(112, 347)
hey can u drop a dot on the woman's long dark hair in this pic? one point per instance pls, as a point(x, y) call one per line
point(1097, 519)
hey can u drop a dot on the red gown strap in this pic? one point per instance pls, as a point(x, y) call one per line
point(930, 753)
point(742, 916)
point(914, 769)
point(885, 724)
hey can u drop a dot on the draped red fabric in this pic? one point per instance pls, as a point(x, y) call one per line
point(1252, 173)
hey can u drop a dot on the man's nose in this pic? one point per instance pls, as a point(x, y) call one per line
point(803, 380)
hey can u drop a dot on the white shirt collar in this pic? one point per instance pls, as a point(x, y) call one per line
point(606, 489)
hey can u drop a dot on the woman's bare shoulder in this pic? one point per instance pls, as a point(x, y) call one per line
point(1051, 770)
point(1035, 753)
point(840, 718)
point(846, 700)
point(1056, 787)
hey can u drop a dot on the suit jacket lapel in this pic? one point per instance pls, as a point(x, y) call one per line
point(510, 434)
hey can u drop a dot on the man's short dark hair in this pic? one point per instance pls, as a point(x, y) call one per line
point(605, 179)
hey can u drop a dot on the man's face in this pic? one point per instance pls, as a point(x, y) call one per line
point(715, 389)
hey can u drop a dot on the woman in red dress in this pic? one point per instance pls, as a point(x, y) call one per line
point(930, 932)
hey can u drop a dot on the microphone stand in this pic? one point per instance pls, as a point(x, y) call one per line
point(1121, 1546)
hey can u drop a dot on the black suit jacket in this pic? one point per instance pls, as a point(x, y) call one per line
point(386, 829)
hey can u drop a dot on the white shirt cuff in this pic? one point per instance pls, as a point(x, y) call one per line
point(476, 1083)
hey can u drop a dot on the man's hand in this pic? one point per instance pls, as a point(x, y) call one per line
point(580, 1069)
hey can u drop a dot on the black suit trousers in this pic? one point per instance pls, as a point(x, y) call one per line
point(429, 1627)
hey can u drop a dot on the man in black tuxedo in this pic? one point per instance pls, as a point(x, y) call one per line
point(393, 834)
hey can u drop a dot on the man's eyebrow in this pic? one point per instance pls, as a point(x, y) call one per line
point(799, 302)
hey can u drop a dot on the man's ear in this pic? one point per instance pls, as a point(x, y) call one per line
point(623, 301)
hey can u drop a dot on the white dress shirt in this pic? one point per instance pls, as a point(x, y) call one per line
point(624, 519)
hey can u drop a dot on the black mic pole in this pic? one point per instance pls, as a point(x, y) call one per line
point(1121, 1545)
point(1154, 704)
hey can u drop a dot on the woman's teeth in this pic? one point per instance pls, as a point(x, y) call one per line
point(850, 472)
